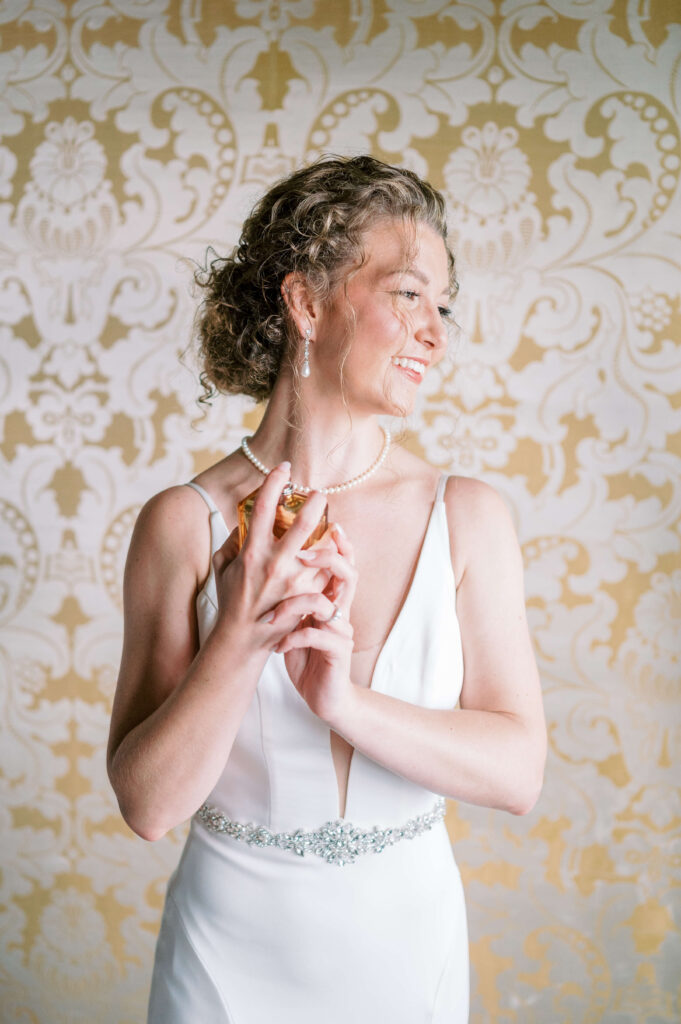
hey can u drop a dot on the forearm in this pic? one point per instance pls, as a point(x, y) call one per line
point(487, 758)
point(166, 765)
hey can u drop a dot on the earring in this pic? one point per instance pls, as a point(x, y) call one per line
point(305, 368)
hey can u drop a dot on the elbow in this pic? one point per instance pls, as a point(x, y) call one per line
point(136, 817)
point(524, 805)
point(146, 829)
point(529, 785)
point(149, 834)
point(525, 797)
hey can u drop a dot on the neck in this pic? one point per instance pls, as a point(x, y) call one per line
point(323, 444)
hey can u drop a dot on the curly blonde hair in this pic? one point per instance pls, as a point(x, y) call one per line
point(311, 223)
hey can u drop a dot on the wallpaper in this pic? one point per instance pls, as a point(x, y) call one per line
point(135, 134)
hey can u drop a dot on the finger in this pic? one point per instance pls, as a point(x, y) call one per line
point(343, 542)
point(335, 537)
point(306, 580)
point(228, 551)
point(327, 558)
point(318, 639)
point(286, 615)
point(265, 507)
point(321, 580)
point(303, 524)
point(343, 572)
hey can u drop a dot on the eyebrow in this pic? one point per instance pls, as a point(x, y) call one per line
point(418, 274)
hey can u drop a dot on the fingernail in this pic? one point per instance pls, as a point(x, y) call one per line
point(285, 466)
point(339, 529)
point(307, 554)
point(267, 617)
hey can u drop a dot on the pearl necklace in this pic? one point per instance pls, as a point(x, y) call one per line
point(324, 490)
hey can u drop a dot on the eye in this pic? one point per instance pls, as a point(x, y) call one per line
point(445, 312)
point(408, 294)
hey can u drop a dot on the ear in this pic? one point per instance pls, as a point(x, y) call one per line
point(303, 308)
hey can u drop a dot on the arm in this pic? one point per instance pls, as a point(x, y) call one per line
point(177, 709)
point(491, 751)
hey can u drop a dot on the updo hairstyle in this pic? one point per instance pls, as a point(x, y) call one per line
point(311, 223)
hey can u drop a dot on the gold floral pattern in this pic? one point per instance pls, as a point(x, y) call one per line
point(135, 136)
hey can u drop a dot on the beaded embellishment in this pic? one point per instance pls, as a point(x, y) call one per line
point(337, 842)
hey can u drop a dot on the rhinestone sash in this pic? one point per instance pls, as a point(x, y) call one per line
point(337, 842)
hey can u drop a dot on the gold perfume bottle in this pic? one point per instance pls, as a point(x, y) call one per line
point(289, 505)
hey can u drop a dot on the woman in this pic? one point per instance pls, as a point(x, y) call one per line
point(270, 690)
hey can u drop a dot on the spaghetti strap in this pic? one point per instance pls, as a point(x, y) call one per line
point(218, 527)
point(442, 483)
point(204, 494)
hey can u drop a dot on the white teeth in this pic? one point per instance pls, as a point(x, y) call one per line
point(409, 364)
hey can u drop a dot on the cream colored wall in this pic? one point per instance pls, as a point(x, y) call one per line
point(137, 134)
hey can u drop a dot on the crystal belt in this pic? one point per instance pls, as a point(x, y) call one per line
point(336, 842)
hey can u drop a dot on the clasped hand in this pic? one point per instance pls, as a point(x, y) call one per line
point(283, 597)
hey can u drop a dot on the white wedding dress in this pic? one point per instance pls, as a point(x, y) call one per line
point(256, 934)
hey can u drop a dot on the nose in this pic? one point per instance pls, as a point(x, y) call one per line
point(432, 330)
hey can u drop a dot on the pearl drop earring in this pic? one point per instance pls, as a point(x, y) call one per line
point(305, 368)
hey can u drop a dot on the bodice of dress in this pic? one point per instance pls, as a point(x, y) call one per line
point(280, 771)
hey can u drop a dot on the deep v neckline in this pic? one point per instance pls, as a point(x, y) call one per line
point(406, 598)
point(385, 646)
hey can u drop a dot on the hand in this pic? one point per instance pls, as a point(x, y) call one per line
point(252, 581)
point(317, 650)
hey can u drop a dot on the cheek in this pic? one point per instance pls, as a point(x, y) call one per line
point(388, 330)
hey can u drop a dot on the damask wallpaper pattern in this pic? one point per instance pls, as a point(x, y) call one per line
point(134, 135)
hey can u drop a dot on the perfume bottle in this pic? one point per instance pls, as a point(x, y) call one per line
point(290, 503)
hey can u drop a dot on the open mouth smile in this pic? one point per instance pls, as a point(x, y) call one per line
point(413, 368)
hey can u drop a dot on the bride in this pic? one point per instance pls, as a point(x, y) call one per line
point(310, 707)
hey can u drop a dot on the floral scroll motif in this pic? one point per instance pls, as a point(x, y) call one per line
point(136, 135)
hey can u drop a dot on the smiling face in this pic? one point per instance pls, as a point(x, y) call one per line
point(398, 303)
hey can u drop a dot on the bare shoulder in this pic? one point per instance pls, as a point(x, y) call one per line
point(480, 524)
point(468, 499)
point(172, 513)
point(172, 531)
